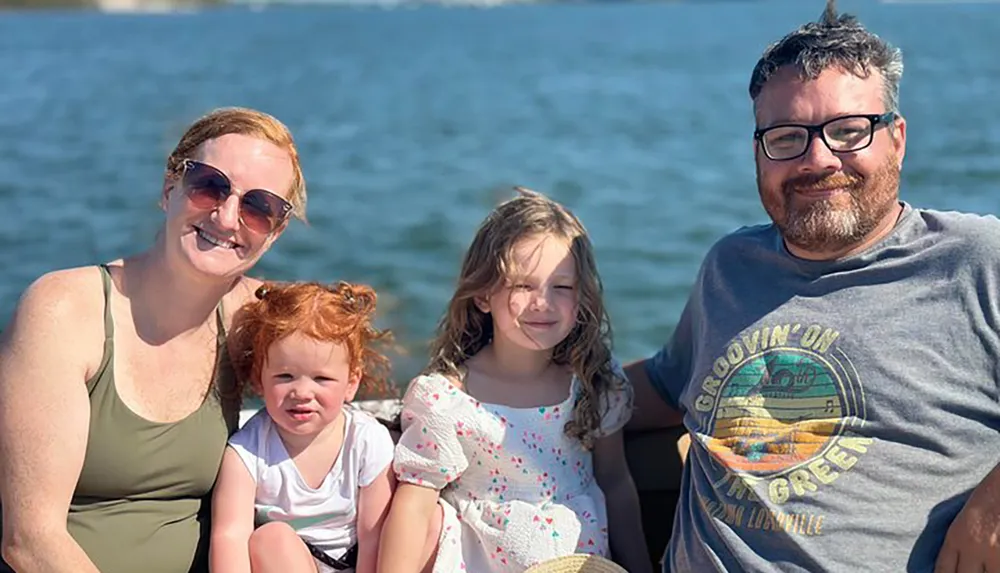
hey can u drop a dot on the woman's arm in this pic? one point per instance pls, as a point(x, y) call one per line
point(232, 516)
point(44, 421)
point(373, 508)
point(404, 537)
point(628, 543)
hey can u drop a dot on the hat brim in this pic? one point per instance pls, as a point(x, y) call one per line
point(577, 564)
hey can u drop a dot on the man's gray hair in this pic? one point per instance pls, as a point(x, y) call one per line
point(833, 42)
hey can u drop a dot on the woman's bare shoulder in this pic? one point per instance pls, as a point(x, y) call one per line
point(65, 294)
point(63, 311)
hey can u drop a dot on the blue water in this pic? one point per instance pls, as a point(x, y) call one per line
point(412, 123)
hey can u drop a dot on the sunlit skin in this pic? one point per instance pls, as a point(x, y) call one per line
point(532, 312)
point(829, 205)
point(305, 384)
point(250, 163)
point(536, 308)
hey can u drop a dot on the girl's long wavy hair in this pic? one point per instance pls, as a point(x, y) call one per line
point(341, 313)
point(464, 330)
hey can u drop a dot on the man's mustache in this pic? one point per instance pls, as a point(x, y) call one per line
point(817, 182)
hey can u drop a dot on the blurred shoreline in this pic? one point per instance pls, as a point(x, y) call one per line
point(160, 6)
point(110, 5)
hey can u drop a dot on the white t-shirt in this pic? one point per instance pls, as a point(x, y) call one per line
point(326, 516)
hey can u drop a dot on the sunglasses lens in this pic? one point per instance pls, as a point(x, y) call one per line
point(206, 187)
point(261, 211)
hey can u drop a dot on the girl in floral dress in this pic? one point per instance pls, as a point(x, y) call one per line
point(511, 452)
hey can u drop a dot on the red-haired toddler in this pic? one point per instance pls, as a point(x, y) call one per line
point(305, 485)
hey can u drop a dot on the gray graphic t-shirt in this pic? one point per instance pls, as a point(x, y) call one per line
point(840, 412)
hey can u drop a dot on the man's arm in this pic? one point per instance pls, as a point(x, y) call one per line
point(973, 540)
point(671, 368)
point(651, 410)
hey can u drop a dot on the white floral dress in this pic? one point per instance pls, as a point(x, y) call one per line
point(515, 489)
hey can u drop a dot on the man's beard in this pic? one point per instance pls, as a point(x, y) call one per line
point(837, 223)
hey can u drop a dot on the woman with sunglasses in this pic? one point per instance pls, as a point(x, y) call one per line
point(114, 410)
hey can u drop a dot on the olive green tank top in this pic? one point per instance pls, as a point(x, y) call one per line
point(143, 499)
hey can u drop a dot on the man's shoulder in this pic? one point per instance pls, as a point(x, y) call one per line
point(749, 237)
point(960, 222)
point(972, 231)
point(751, 233)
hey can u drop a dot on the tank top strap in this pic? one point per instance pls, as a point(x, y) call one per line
point(109, 323)
point(220, 324)
point(99, 381)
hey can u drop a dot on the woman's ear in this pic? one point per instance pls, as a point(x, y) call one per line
point(169, 186)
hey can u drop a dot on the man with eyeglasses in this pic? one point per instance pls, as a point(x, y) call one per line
point(837, 369)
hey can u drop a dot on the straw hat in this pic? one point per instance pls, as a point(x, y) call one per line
point(577, 564)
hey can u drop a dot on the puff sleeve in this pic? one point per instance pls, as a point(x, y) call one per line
point(429, 452)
